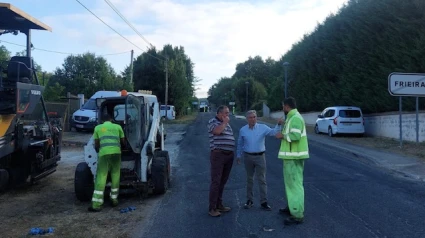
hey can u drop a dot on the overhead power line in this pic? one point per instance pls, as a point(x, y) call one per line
point(115, 30)
point(128, 23)
point(116, 53)
point(60, 52)
point(122, 17)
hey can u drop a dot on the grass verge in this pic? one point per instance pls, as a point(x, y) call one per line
point(381, 143)
point(186, 119)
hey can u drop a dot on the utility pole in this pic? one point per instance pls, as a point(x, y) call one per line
point(246, 105)
point(166, 86)
point(285, 65)
point(131, 67)
point(233, 100)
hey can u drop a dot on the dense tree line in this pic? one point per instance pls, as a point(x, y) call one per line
point(88, 73)
point(149, 74)
point(346, 60)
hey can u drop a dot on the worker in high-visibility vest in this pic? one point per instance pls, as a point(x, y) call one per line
point(294, 151)
point(107, 137)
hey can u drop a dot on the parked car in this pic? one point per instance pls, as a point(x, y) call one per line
point(340, 120)
point(170, 112)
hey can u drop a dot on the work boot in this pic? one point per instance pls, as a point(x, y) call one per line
point(214, 213)
point(222, 208)
point(114, 203)
point(285, 211)
point(293, 221)
point(266, 206)
point(248, 204)
point(91, 209)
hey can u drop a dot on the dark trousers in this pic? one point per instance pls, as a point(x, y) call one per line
point(221, 165)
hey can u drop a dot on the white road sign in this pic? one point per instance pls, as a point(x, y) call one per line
point(406, 84)
point(231, 103)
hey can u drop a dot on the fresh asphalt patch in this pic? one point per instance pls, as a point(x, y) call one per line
point(345, 196)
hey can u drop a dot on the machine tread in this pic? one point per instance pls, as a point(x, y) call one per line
point(83, 182)
point(165, 154)
point(159, 175)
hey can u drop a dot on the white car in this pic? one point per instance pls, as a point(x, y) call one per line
point(340, 120)
point(170, 111)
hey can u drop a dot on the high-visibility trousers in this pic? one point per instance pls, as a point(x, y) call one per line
point(293, 174)
point(107, 163)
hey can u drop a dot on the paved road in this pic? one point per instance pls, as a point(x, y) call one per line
point(344, 197)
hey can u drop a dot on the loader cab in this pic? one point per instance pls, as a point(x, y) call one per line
point(145, 165)
point(134, 113)
point(19, 93)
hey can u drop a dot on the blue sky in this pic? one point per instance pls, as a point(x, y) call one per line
point(215, 34)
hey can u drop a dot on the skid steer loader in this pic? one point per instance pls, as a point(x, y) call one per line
point(145, 165)
point(30, 140)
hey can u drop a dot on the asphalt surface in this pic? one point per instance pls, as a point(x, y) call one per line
point(344, 197)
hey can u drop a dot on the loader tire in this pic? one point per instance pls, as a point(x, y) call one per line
point(164, 153)
point(159, 175)
point(83, 182)
point(4, 180)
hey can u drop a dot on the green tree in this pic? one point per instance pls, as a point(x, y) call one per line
point(346, 60)
point(4, 56)
point(149, 74)
point(126, 79)
point(86, 73)
point(4, 53)
point(54, 92)
point(218, 91)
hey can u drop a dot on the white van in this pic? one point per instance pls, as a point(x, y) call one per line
point(85, 118)
point(340, 120)
point(170, 111)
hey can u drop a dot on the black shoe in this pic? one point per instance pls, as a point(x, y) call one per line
point(266, 206)
point(93, 209)
point(285, 211)
point(248, 204)
point(293, 221)
point(113, 204)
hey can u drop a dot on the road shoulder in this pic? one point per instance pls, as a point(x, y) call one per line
point(407, 166)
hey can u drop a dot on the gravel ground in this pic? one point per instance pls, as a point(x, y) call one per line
point(51, 202)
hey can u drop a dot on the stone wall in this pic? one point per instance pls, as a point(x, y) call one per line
point(381, 125)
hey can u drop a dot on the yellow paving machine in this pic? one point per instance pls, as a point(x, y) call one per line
point(30, 140)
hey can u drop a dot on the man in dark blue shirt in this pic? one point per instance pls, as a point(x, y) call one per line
point(251, 144)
